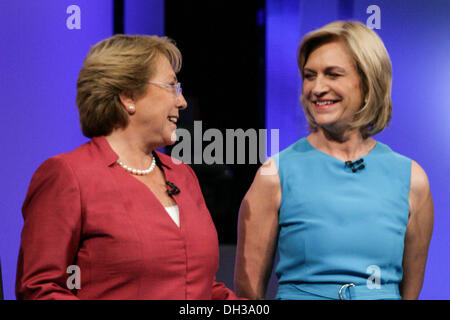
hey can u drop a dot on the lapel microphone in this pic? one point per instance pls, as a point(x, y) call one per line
point(355, 165)
point(173, 188)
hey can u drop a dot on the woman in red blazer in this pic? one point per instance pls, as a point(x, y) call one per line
point(116, 219)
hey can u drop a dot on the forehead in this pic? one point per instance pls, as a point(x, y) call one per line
point(333, 53)
point(163, 68)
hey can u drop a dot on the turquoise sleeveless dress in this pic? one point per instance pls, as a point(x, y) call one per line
point(341, 233)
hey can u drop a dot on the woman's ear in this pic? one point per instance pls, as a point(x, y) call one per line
point(127, 102)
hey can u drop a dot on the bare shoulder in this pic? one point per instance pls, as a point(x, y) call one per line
point(420, 194)
point(266, 189)
point(419, 179)
point(267, 175)
point(267, 182)
point(418, 174)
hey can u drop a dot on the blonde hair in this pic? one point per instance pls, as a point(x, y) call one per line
point(119, 64)
point(373, 64)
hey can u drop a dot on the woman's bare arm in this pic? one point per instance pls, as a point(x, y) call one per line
point(257, 233)
point(418, 234)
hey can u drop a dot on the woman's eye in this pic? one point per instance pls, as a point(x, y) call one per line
point(308, 76)
point(334, 75)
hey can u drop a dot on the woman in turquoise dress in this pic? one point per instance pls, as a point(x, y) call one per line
point(351, 218)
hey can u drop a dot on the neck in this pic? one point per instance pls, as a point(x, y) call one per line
point(347, 146)
point(130, 148)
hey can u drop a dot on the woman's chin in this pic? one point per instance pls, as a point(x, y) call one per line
point(173, 137)
point(331, 120)
point(325, 121)
point(168, 140)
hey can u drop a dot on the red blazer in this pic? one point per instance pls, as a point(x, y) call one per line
point(83, 209)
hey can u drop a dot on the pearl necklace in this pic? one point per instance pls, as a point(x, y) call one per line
point(137, 171)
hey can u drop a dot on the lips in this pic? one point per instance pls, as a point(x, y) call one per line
point(173, 119)
point(324, 104)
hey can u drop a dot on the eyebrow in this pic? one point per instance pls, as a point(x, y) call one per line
point(327, 69)
point(171, 78)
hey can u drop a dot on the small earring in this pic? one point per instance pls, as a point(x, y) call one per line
point(132, 109)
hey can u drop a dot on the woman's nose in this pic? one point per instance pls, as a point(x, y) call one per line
point(181, 102)
point(320, 87)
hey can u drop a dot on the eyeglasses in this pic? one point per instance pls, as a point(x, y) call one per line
point(176, 87)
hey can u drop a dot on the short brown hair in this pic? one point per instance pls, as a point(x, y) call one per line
point(119, 64)
point(373, 64)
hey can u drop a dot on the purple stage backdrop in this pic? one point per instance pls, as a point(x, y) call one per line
point(416, 34)
point(45, 41)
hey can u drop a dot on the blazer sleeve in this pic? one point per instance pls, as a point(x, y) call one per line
point(51, 233)
point(221, 292)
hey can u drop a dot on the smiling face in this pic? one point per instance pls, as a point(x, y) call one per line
point(331, 86)
point(158, 110)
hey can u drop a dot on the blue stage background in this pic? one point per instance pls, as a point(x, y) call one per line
point(41, 57)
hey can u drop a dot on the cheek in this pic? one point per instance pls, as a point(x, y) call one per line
point(305, 102)
point(356, 90)
point(305, 89)
point(305, 95)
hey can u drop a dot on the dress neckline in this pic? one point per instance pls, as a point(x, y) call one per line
point(371, 151)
